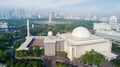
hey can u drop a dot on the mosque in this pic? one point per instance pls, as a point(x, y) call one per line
point(74, 44)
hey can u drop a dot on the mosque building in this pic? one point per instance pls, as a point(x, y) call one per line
point(74, 44)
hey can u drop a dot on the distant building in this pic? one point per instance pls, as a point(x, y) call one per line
point(109, 34)
point(103, 25)
point(110, 31)
point(94, 18)
point(74, 44)
point(3, 26)
point(104, 19)
point(50, 22)
point(113, 20)
point(113, 23)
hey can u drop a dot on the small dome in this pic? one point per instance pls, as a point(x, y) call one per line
point(80, 32)
point(50, 33)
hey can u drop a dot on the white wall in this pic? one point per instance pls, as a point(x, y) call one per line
point(65, 47)
point(70, 52)
point(80, 50)
point(49, 49)
point(97, 47)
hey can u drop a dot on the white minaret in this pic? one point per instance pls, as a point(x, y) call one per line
point(49, 16)
point(28, 29)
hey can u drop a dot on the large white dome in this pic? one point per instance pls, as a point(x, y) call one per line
point(80, 32)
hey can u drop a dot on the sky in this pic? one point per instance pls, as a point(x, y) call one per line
point(74, 6)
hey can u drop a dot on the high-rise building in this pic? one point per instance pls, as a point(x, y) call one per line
point(113, 22)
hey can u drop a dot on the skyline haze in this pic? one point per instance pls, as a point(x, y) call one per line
point(72, 6)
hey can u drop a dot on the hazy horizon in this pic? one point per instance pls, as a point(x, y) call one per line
point(73, 6)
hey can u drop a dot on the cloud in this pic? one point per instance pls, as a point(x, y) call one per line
point(37, 3)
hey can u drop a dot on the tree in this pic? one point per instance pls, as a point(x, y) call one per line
point(42, 51)
point(6, 55)
point(62, 54)
point(18, 64)
point(29, 65)
point(36, 51)
point(116, 48)
point(116, 62)
point(60, 65)
point(22, 65)
point(30, 51)
point(2, 44)
point(92, 57)
point(1, 54)
point(10, 64)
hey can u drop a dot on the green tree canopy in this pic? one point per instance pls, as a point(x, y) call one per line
point(62, 54)
point(92, 57)
point(116, 62)
point(60, 65)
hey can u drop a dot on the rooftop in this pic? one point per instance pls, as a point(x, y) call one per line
point(24, 46)
point(37, 42)
point(109, 32)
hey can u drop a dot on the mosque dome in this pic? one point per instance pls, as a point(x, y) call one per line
point(50, 33)
point(80, 32)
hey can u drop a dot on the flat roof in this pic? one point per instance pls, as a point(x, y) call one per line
point(108, 54)
point(24, 45)
point(37, 42)
point(52, 39)
point(77, 39)
point(109, 32)
point(74, 41)
point(86, 42)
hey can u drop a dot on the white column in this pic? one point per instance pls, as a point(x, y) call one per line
point(28, 29)
point(70, 53)
point(75, 51)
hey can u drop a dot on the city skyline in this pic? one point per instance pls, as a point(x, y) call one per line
point(72, 6)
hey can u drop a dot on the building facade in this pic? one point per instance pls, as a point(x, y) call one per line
point(74, 44)
point(77, 43)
